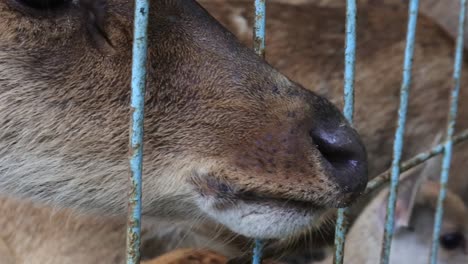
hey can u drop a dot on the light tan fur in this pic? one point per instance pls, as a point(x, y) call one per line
point(413, 226)
point(186, 256)
point(33, 234)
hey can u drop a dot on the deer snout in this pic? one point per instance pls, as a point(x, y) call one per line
point(343, 156)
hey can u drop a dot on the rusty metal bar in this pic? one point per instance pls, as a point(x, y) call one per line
point(259, 27)
point(398, 143)
point(259, 48)
point(140, 47)
point(350, 62)
point(458, 63)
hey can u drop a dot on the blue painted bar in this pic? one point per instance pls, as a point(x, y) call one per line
point(449, 136)
point(259, 48)
point(350, 59)
point(350, 62)
point(340, 235)
point(140, 47)
point(259, 28)
point(257, 252)
point(398, 143)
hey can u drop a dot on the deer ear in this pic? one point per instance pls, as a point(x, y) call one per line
point(409, 188)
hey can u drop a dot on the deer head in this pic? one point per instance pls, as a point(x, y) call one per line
point(227, 137)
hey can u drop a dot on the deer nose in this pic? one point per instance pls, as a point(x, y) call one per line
point(343, 155)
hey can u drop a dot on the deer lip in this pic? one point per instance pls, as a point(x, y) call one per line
point(226, 195)
point(231, 198)
point(252, 197)
point(252, 213)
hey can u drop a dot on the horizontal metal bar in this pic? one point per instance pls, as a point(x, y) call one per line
point(350, 62)
point(398, 143)
point(458, 62)
point(138, 83)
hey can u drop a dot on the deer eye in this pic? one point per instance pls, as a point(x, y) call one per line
point(43, 4)
point(452, 241)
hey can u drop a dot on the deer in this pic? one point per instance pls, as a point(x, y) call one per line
point(444, 13)
point(85, 169)
point(414, 221)
point(229, 140)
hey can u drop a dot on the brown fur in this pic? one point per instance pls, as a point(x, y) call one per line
point(78, 128)
point(225, 133)
point(445, 13)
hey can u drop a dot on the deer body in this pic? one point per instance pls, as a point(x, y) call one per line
point(413, 231)
point(33, 234)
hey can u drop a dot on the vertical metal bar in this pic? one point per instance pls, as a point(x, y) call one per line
point(450, 131)
point(259, 48)
point(136, 131)
point(350, 61)
point(257, 253)
point(399, 134)
point(259, 28)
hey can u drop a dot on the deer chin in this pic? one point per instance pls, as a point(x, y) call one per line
point(261, 218)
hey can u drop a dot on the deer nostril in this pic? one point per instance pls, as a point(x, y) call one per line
point(344, 155)
point(336, 147)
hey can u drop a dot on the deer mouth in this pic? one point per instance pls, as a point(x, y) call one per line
point(251, 197)
point(253, 214)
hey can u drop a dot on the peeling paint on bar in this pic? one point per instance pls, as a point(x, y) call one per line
point(450, 131)
point(398, 143)
point(259, 48)
point(350, 61)
point(259, 28)
point(136, 130)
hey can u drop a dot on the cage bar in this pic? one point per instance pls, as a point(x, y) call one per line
point(399, 134)
point(258, 252)
point(458, 63)
point(138, 83)
point(350, 62)
point(259, 27)
point(259, 48)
